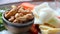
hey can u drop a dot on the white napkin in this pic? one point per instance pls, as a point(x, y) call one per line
point(42, 13)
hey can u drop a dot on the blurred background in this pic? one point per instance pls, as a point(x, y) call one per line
point(12, 1)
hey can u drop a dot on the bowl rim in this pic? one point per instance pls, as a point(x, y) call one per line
point(16, 25)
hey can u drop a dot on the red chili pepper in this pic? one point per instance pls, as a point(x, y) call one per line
point(34, 30)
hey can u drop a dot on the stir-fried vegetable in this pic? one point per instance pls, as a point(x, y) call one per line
point(1, 22)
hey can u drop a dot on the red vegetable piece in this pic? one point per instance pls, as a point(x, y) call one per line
point(27, 6)
point(34, 30)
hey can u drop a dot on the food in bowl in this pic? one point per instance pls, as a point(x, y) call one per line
point(19, 15)
point(18, 19)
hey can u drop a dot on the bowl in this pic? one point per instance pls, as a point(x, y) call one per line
point(16, 27)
